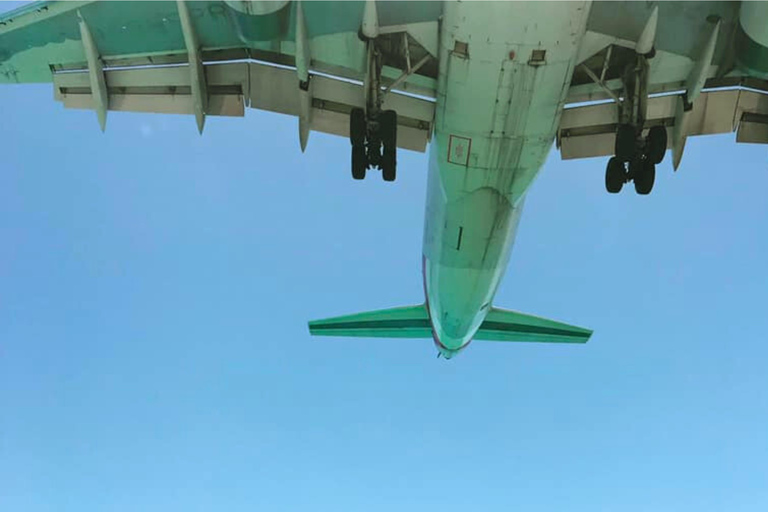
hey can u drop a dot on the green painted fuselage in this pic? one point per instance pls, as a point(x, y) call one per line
point(499, 103)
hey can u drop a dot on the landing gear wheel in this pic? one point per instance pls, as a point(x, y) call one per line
point(388, 128)
point(626, 142)
point(388, 134)
point(656, 144)
point(359, 162)
point(614, 176)
point(389, 166)
point(357, 127)
point(643, 172)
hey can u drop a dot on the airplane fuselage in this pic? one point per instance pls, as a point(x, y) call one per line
point(504, 73)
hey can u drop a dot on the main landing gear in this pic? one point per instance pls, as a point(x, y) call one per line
point(636, 156)
point(374, 143)
point(373, 131)
point(635, 159)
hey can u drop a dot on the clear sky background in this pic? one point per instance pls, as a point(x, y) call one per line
point(154, 355)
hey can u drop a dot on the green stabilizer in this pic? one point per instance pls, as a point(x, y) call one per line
point(402, 322)
point(505, 325)
point(413, 322)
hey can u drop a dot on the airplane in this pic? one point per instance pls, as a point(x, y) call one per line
point(487, 87)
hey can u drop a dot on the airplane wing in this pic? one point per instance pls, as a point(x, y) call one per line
point(220, 57)
point(708, 74)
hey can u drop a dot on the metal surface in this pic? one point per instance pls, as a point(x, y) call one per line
point(496, 118)
point(303, 61)
point(273, 89)
point(96, 78)
point(234, 86)
point(588, 131)
point(160, 90)
point(370, 21)
point(196, 71)
point(648, 36)
point(257, 7)
point(701, 68)
point(501, 75)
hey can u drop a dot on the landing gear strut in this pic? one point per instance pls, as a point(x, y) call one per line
point(372, 131)
point(636, 156)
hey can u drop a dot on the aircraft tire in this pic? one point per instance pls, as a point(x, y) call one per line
point(626, 142)
point(388, 134)
point(389, 165)
point(359, 162)
point(388, 128)
point(614, 175)
point(656, 144)
point(357, 127)
point(644, 174)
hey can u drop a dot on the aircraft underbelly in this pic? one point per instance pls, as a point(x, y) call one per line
point(504, 73)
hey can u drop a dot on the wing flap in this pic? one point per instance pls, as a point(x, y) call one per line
point(589, 131)
point(274, 88)
point(753, 132)
point(163, 90)
point(218, 104)
point(234, 86)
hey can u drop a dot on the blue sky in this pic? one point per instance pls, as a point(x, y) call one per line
point(155, 287)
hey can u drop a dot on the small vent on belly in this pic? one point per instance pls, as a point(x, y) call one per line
point(538, 57)
point(461, 49)
point(458, 242)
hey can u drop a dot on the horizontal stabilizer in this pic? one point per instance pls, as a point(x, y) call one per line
point(413, 322)
point(505, 325)
point(402, 322)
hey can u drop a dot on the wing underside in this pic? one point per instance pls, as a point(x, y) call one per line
point(219, 58)
point(702, 77)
